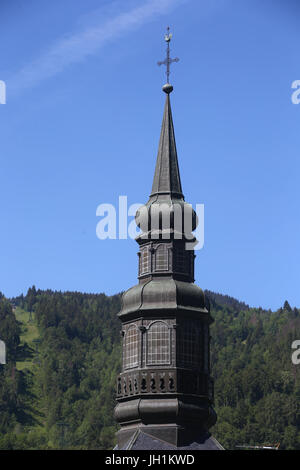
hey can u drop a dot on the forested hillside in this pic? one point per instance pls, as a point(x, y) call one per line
point(257, 388)
point(57, 390)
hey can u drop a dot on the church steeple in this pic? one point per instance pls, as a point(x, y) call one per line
point(165, 392)
point(167, 177)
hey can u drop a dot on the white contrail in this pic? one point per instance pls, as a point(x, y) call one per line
point(78, 46)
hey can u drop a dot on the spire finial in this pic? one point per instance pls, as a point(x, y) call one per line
point(167, 88)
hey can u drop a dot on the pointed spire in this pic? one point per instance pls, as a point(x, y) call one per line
point(167, 178)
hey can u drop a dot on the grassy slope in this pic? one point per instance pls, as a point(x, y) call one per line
point(28, 363)
point(29, 333)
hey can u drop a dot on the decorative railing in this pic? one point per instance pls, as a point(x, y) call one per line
point(179, 381)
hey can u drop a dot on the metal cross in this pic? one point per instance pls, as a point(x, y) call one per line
point(168, 61)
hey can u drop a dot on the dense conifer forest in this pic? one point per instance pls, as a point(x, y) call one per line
point(57, 388)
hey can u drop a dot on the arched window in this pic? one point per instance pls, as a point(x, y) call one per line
point(158, 343)
point(131, 354)
point(181, 260)
point(161, 258)
point(190, 345)
point(144, 261)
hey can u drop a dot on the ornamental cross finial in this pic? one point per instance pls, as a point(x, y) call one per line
point(168, 61)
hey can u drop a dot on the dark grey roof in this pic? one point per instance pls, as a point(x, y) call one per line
point(170, 293)
point(167, 178)
point(143, 441)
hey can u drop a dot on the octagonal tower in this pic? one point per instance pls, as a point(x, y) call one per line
point(165, 392)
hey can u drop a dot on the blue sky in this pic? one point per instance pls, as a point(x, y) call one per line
point(81, 127)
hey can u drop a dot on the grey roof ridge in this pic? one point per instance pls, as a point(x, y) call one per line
point(158, 439)
point(132, 441)
point(217, 442)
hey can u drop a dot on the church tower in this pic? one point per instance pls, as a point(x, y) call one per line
point(165, 392)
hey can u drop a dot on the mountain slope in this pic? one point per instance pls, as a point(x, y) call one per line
point(66, 391)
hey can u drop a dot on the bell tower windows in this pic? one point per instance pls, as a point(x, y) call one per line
point(158, 343)
point(181, 260)
point(145, 261)
point(161, 258)
point(190, 345)
point(131, 347)
point(166, 258)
